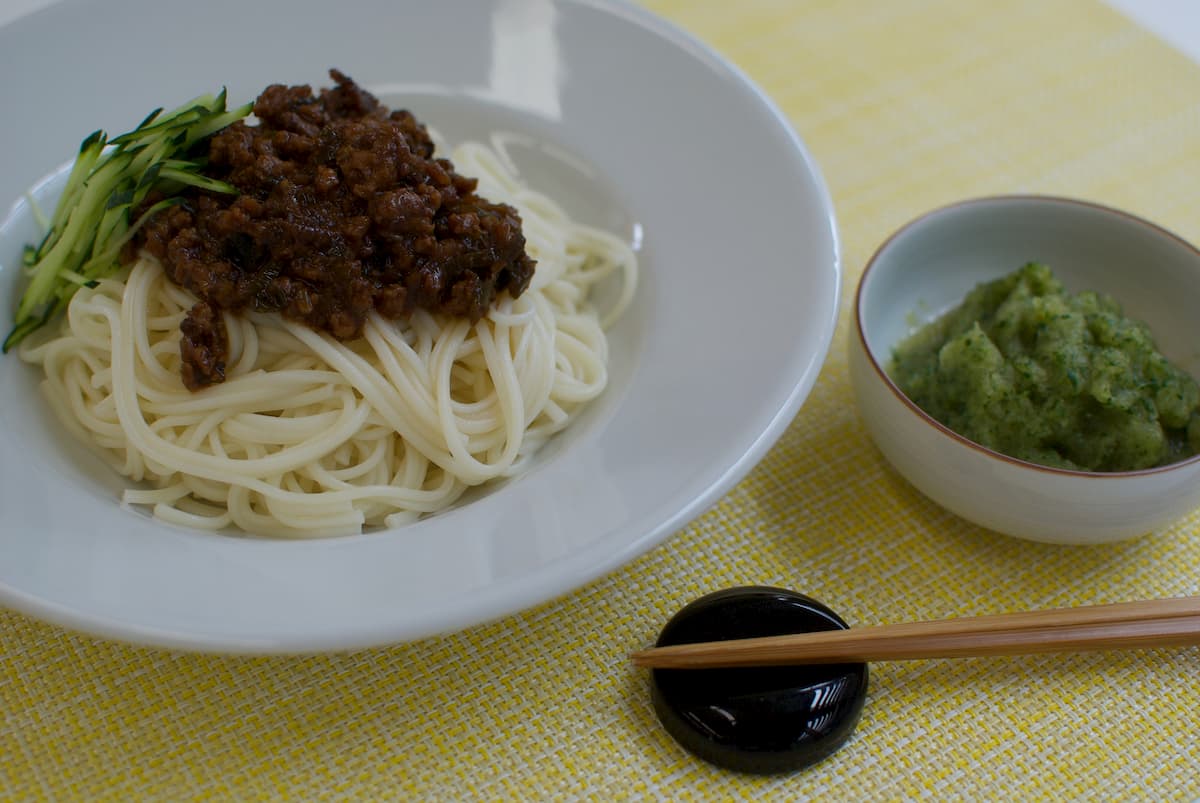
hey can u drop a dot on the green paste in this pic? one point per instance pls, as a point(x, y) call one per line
point(1033, 372)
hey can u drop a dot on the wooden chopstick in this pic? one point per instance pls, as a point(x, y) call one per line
point(1150, 623)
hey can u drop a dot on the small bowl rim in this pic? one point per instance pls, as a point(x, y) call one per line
point(947, 431)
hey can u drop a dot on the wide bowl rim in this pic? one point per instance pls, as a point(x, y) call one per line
point(953, 437)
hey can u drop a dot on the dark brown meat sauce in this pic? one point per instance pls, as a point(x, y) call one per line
point(342, 209)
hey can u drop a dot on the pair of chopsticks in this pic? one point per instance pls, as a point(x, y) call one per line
point(1150, 623)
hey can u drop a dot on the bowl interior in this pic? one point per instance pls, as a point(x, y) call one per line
point(930, 265)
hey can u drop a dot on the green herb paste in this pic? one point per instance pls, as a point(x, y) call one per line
point(1028, 370)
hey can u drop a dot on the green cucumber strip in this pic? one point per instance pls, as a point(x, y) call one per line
point(89, 154)
point(109, 180)
point(206, 128)
point(173, 119)
point(21, 331)
point(197, 180)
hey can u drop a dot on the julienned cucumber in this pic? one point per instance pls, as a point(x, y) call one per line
point(107, 185)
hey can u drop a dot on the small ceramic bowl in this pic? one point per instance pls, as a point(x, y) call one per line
point(928, 267)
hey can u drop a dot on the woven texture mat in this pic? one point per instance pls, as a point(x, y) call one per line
point(906, 106)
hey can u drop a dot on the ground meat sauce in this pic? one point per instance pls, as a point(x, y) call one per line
point(342, 209)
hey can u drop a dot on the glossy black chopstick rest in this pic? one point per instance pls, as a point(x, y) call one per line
point(762, 720)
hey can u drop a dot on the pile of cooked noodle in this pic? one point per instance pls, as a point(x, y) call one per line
point(310, 436)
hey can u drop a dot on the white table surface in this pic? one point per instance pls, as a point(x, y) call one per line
point(1176, 21)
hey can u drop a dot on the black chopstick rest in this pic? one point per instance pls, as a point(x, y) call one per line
point(762, 720)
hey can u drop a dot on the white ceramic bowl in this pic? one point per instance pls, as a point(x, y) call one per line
point(704, 373)
point(929, 265)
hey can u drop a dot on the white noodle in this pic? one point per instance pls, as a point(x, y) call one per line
point(309, 436)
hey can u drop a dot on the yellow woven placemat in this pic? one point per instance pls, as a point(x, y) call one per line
point(906, 105)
